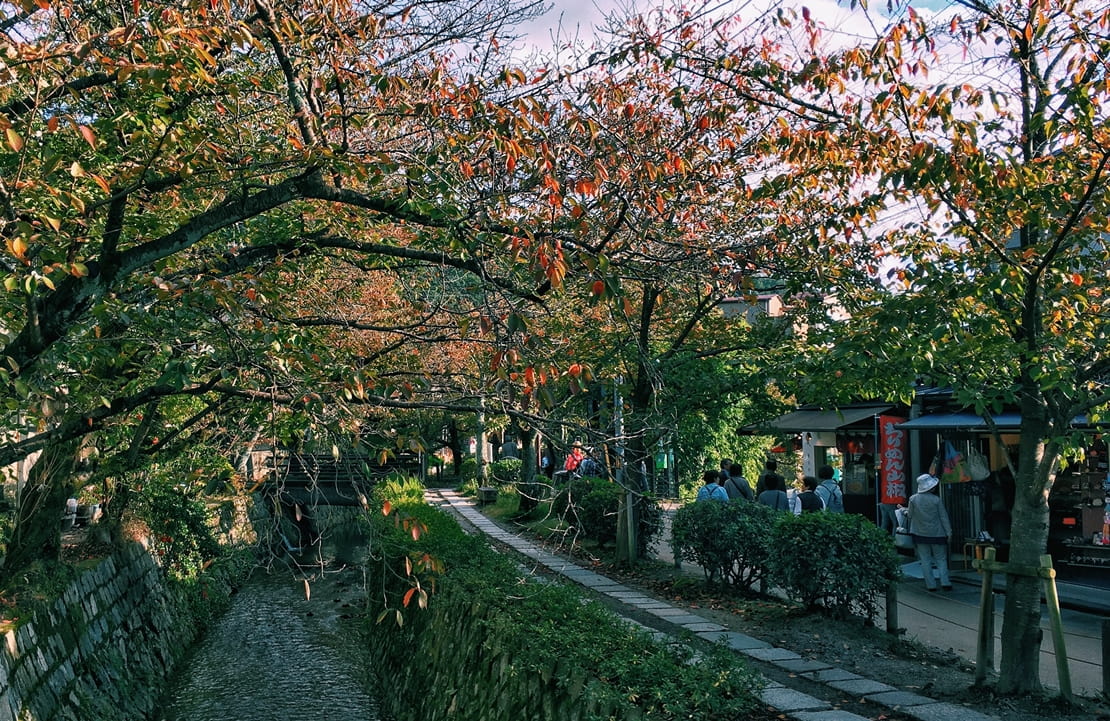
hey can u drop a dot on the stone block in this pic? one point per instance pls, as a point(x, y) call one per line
point(861, 687)
point(789, 700)
point(800, 665)
point(770, 654)
point(899, 699)
point(831, 715)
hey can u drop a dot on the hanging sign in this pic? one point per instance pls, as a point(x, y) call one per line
point(892, 460)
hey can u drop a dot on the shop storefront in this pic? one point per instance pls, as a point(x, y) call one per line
point(845, 438)
point(980, 501)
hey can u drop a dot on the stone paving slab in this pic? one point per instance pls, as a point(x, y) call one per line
point(945, 712)
point(899, 699)
point(672, 611)
point(833, 674)
point(789, 700)
point(801, 665)
point(629, 596)
point(861, 687)
point(703, 627)
point(735, 640)
point(770, 654)
point(833, 715)
point(677, 619)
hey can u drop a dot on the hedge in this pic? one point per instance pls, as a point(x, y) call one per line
point(495, 644)
point(837, 562)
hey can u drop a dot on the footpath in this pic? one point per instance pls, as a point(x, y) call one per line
point(795, 691)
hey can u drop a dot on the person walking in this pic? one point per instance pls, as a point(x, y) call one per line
point(712, 490)
point(770, 470)
point(774, 495)
point(931, 531)
point(808, 501)
point(829, 491)
point(737, 486)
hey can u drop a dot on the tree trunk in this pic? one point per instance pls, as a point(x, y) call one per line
point(38, 525)
point(1019, 668)
point(529, 489)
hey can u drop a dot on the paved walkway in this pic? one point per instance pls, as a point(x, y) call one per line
point(797, 704)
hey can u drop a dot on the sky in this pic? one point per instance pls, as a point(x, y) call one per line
point(584, 15)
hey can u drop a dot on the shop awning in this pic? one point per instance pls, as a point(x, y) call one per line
point(820, 420)
point(972, 422)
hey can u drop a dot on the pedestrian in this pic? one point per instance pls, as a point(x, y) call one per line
point(575, 457)
point(808, 501)
point(931, 531)
point(726, 464)
point(770, 470)
point(737, 486)
point(774, 495)
point(589, 467)
point(712, 490)
point(830, 492)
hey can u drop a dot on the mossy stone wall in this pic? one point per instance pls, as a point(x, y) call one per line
point(105, 648)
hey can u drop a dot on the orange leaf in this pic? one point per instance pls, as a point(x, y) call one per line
point(598, 287)
point(88, 134)
point(1077, 278)
point(387, 508)
point(408, 597)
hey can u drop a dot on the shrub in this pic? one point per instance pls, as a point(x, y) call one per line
point(402, 488)
point(592, 504)
point(468, 469)
point(182, 536)
point(837, 561)
point(730, 541)
point(505, 472)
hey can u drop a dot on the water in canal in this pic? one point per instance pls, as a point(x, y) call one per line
point(277, 655)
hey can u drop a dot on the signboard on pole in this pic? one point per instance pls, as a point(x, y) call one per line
point(892, 460)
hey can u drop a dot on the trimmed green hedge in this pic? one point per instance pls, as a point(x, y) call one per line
point(839, 562)
point(728, 540)
point(493, 644)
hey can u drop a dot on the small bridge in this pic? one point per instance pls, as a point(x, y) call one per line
point(296, 485)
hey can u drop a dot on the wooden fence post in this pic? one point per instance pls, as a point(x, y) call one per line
point(1053, 603)
point(892, 609)
point(1105, 657)
point(984, 653)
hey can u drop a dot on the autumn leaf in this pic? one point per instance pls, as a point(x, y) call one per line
point(88, 134)
point(14, 139)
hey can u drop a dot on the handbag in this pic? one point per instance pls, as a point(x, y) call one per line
point(977, 465)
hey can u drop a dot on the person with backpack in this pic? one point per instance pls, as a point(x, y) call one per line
point(712, 490)
point(808, 501)
point(737, 486)
point(829, 490)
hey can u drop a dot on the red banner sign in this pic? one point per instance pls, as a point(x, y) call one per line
point(892, 460)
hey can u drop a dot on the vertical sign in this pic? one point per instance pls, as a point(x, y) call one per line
point(892, 460)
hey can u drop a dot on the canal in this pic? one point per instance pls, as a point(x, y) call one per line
point(280, 652)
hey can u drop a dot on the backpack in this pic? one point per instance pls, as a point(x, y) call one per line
point(833, 497)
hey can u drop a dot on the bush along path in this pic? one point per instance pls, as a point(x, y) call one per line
point(796, 687)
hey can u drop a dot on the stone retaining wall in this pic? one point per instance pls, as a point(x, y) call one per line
point(101, 651)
